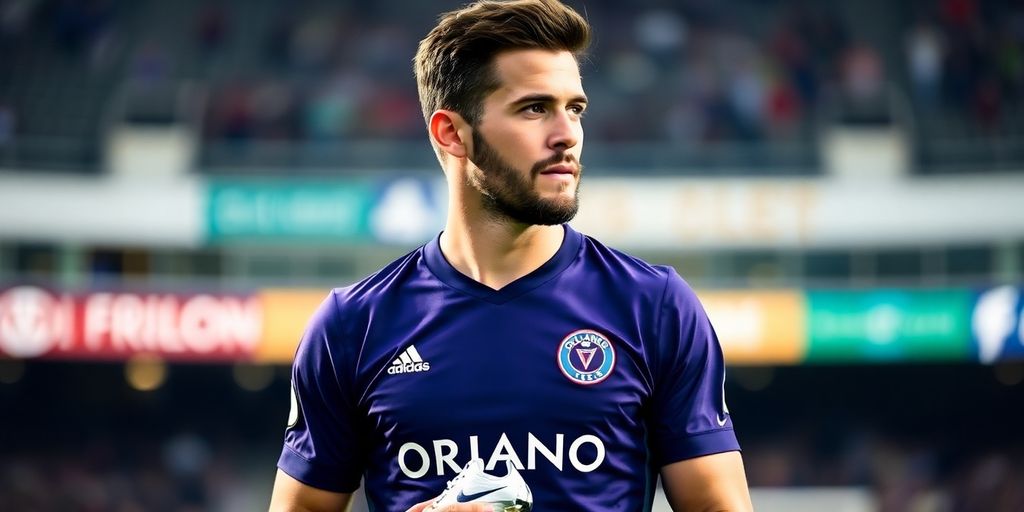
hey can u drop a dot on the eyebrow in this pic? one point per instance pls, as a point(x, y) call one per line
point(545, 98)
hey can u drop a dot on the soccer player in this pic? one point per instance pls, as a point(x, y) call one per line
point(510, 337)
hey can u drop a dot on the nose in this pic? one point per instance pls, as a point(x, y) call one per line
point(565, 131)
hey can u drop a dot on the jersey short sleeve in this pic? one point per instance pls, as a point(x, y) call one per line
point(689, 417)
point(321, 446)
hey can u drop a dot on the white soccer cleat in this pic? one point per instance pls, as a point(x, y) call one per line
point(507, 493)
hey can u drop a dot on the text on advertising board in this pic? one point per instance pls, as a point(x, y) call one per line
point(114, 325)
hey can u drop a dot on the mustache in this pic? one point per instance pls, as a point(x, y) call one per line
point(557, 158)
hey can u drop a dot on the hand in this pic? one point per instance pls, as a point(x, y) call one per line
point(457, 507)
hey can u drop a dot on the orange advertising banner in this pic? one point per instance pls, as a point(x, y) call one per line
point(285, 314)
point(758, 326)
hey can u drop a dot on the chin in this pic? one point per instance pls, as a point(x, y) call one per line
point(563, 193)
point(559, 200)
point(562, 203)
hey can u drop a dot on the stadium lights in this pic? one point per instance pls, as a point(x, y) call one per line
point(253, 377)
point(145, 373)
point(1009, 374)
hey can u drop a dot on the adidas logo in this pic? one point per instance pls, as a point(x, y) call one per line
point(409, 362)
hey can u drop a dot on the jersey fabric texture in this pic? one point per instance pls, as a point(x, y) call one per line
point(588, 374)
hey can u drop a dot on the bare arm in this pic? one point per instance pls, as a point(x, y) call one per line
point(291, 495)
point(712, 483)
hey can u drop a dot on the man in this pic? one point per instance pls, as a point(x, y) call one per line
point(510, 337)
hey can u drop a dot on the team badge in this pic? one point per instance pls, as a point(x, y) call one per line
point(586, 357)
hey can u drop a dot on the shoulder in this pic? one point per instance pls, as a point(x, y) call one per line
point(381, 285)
point(633, 272)
point(345, 307)
point(659, 287)
point(338, 325)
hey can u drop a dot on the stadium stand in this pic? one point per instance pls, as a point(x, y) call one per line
point(747, 88)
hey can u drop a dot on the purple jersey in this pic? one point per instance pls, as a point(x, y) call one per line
point(588, 374)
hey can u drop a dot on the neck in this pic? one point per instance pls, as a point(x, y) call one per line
point(496, 252)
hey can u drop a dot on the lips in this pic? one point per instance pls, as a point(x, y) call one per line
point(560, 169)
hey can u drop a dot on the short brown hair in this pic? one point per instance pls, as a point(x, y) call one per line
point(453, 64)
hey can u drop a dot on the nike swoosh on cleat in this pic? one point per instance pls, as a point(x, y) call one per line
point(463, 497)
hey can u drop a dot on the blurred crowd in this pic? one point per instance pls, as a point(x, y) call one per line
point(672, 72)
point(681, 72)
point(687, 71)
point(968, 55)
point(901, 474)
point(183, 473)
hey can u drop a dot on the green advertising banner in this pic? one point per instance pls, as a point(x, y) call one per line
point(888, 325)
point(331, 211)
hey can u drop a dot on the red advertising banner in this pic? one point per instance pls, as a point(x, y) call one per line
point(36, 322)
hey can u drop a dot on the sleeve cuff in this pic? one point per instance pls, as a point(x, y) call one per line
point(314, 475)
point(705, 443)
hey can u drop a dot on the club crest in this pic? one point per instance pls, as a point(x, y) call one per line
point(586, 357)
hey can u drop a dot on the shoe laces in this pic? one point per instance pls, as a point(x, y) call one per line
point(451, 483)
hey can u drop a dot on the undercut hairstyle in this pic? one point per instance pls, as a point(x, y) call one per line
point(454, 64)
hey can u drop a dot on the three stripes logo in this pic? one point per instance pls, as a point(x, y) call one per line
point(408, 362)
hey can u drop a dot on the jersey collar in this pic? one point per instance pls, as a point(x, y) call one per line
point(440, 267)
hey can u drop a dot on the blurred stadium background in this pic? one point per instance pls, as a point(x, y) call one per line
point(842, 181)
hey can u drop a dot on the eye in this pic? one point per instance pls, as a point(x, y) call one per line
point(535, 108)
point(577, 109)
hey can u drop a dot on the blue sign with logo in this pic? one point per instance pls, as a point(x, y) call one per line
point(997, 324)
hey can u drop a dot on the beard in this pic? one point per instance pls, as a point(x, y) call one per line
point(509, 195)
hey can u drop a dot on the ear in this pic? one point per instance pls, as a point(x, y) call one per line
point(446, 131)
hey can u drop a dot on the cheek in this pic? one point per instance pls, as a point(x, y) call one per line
point(519, 145)
point(518, 150)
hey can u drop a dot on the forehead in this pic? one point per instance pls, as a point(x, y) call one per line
point(537, 71)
